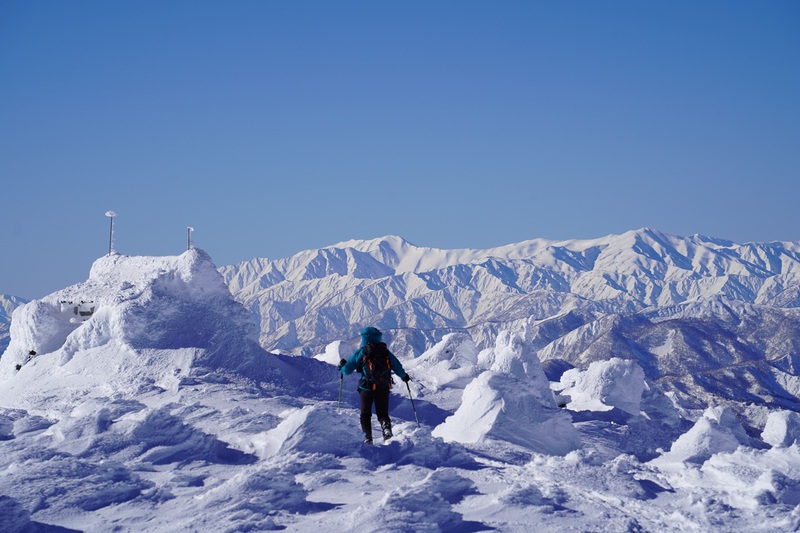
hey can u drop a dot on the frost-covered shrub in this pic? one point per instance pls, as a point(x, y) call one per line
point(512, 401)
point(604, 385)
point(782, 429)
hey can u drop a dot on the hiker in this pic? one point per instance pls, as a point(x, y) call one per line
point(375, 363)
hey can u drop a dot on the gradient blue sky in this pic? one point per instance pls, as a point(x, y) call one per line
point(274, 127)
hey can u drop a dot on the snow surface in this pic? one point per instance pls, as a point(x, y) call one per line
point(160, 412)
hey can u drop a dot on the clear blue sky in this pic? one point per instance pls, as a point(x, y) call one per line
point(274, 127)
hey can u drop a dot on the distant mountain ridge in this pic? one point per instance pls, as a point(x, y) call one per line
point(317, 296)
point(7, 305)
point(701, 315)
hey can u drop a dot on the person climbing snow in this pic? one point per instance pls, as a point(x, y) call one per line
point(375, 363)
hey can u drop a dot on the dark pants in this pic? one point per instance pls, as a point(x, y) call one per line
point(381, 399)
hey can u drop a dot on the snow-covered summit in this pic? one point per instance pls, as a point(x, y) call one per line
point(306, 301)
point(136, 322)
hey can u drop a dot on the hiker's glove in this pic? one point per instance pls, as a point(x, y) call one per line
point(407, 378)
point(341, 364)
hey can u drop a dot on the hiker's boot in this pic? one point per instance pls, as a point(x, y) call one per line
point(366, 427)
point(386, 426)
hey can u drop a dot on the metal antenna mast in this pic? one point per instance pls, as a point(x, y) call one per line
point(111, 215)
point(189, 243)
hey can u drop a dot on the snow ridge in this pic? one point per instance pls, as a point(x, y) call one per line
point(314, 297)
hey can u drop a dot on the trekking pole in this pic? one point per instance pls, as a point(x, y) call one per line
point(412, 403)
point(341, 382)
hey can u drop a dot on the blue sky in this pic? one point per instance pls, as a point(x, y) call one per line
point(274, 127)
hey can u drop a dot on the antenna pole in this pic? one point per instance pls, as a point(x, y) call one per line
point(189, 243)
point(111, 215)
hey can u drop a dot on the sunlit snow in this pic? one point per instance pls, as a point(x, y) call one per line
point(157, 410)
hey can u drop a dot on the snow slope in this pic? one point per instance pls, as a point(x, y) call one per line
point(159, 411)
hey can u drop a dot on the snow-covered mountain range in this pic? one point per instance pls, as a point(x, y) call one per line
point(701, 315)
point(317, 296)
point(7, 305)
point(150, 405)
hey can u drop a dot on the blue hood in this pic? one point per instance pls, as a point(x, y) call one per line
point(370, 334)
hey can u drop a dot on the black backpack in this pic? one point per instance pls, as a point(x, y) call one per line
point(375, 367)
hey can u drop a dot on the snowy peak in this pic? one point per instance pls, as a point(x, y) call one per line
point(7, 305)
point(304, 302)
point(130, 312)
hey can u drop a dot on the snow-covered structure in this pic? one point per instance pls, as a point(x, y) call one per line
point(512, 401)
point(154, 322)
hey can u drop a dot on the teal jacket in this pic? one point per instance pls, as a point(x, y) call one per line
point(371, 334)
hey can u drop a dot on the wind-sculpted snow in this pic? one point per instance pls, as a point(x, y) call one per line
point(604, 385)
point(511, 401)
point(782, 429)
point(150, 407)
point(144, 322)
point(717, 431)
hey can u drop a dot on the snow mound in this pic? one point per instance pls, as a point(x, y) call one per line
point(423, 506)
point(335, 352)
point(604, 385)
point(717, 431)
point(310, 429)
point(451, 362)
point(782, 429)
point(137, 323)
point(512, 401)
